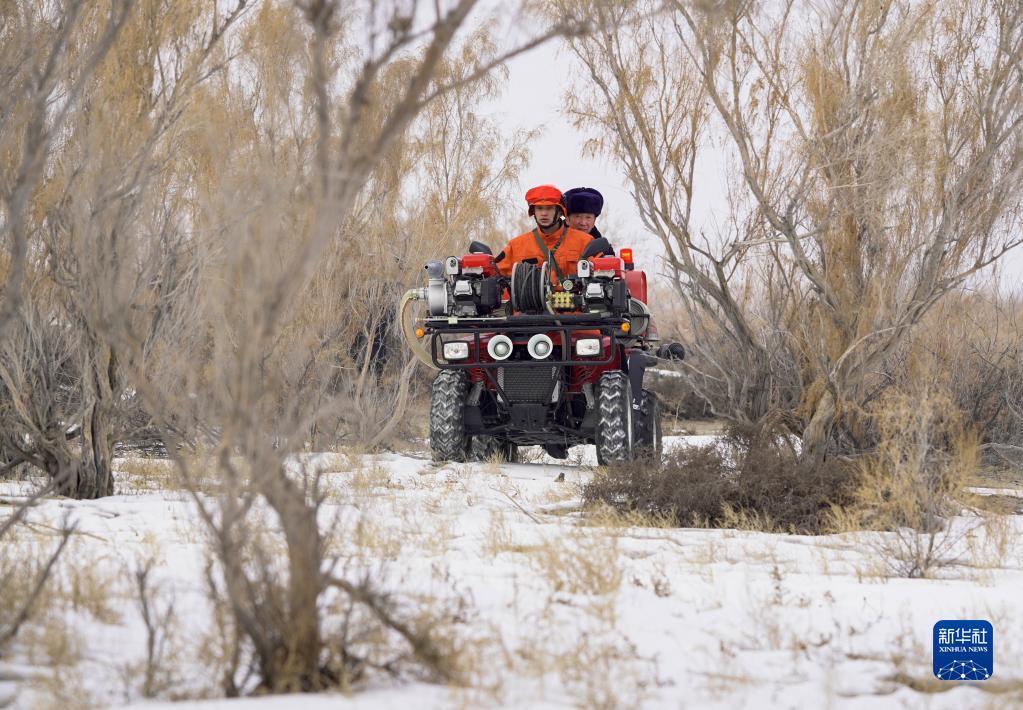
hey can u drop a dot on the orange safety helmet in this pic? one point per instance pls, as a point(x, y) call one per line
point(543, 195)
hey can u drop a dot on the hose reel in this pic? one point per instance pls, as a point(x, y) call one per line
point(528, 288)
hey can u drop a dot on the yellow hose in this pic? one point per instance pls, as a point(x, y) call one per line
point(419, 347)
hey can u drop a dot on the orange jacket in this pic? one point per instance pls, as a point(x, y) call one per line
point(525, 247)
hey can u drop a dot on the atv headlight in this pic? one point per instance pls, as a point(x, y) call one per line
point(456, 351)
point(586, 347)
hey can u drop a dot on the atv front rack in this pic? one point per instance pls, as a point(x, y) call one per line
point(524, 326)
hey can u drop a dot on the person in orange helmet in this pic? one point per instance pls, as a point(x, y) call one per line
point(552, 237)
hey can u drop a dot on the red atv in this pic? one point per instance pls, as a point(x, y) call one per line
point(527, 361)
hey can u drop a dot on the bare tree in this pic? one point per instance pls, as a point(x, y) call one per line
point(107, 234)
point(880, 155)
point(37, 66)
point(210, 237)
point(318, 113)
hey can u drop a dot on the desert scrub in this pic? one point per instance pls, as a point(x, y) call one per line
point(751, 478)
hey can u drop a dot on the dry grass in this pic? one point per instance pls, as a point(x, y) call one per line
point(64, 689)
point(617, 520)
point(990, 545)
point(20, 562)
point(913, 484)
point(137, 475)
point(499, 536)
point(597, 665)
point(370, 538)
point(28, 560)
point(51, 643)
point(85, 581)
point(91, 583)
point(579, 561)
point(354, 475)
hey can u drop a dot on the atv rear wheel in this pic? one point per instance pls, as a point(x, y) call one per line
point(486, 448)
point(648, 426)
point(448, 441)
point(614, 423)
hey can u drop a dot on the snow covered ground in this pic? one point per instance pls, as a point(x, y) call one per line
point(561, 611)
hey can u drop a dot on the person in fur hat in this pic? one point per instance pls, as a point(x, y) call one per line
point(582, 207)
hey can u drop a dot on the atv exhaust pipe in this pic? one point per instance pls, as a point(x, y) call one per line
point(540, 346)
point(500, 347)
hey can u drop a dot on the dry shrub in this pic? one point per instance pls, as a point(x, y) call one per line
point(26, 571)
point(975, 340)
point(749, 479)
point(14, 471)
point(687, 486)
point(679, 399)
point(915, 481)
point(410, 636)
point(354, 627)
point(158, 616)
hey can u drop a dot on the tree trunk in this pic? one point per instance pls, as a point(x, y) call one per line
point(87, 476)
point(818, 432)
point(97, 478)
point(299, 668)
point(62, 469)
point(85, 473)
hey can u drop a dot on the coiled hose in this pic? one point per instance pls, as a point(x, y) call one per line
point(527, 288)
point(418, 347)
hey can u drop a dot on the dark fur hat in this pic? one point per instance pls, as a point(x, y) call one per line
point(583, 199)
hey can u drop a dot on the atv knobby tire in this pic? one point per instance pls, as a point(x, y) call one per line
point(487, 448)
point(648, 426)
point(448, 441)
point(614, 422)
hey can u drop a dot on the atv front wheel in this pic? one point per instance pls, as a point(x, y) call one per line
point(648, 425)
point(614, 423)
point(486, 448)
point(448, 441)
